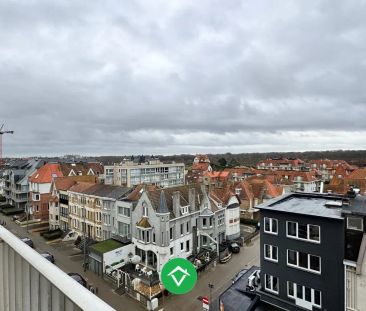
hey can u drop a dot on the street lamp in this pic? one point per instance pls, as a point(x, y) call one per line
point(210, 286)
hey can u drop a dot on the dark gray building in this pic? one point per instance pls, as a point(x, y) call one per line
point(302, 252)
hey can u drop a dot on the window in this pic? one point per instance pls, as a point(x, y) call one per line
point(317, 299)
point(304, 261)
point(290, 289)
point(271, 252)
point(154, 238)
point(181, 229)
point(181, 247)
point(125, 211)
point(171, 251)
point(307, 232)
point(187, 246)
point(355, 223)
point(304, 296)
point(271, 283)
point(204, 223)
point(171, 234)
point(270, 225)
point(291, 229)
point(145, 210)
point(187, 226)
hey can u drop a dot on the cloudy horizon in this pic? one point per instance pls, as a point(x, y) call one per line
point(173, 77)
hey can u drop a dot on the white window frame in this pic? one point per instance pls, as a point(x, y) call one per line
point(297, 266)
point(271, 247)
point(354, 228)
point(271, 290)
point(288, 289)
point(271, 220)
point(308, 239)
point(303, 291)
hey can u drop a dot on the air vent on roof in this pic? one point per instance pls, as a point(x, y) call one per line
point(333, 204)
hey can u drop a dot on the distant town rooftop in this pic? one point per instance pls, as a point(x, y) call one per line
point(313, 204)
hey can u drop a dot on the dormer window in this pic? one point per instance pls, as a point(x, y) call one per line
point(184, 210)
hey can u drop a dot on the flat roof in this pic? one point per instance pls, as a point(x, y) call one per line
point(235, 298)
point(106, 246)
point(312, 204)
point(357, 206)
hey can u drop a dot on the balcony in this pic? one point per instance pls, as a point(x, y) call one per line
point(30, 282)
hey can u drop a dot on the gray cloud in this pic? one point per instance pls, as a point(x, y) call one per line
point(182, 76)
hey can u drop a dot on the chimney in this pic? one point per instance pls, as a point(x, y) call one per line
point(191, 199)
point(176, 203)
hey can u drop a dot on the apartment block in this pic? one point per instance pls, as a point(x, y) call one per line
point(59, 200)
point(302, 238)
point(129, 173)
point(16, 185)
point(40, 183)
point(92, 209)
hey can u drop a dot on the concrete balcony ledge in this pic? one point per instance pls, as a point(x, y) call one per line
point(30, 282)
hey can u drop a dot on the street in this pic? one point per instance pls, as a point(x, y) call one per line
point(69, 259)
point(220, 276)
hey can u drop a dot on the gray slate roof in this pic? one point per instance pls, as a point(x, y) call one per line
point(312, 204)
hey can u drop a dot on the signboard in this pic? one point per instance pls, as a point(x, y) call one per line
point(205, 304)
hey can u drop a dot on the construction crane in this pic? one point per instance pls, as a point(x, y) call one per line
point(1, 143)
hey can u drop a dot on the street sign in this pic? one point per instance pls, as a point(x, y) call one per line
point(205, 304)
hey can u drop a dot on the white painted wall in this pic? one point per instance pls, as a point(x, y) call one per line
point(117, 255)
point(232, 219)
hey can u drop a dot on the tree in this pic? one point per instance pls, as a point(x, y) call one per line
point(222, 162)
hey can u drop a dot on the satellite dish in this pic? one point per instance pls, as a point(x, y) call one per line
point(136, 259)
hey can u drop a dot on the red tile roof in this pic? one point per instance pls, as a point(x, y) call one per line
point(81, 186)
point(65, 183)
point(200, 166)
point(46, 173)
point(358, 174)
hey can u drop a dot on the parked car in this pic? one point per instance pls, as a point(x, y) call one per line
point(234, 247)
point(78, 278)
point(28, 241)
point(49, 257)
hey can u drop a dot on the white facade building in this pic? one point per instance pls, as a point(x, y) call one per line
point(153, 172)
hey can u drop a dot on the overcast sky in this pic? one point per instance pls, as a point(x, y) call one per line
point(166, 77)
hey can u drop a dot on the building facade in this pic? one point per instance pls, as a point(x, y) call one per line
point(92, 209)
point(153, 172)
point(180, 222)
point(40, 183)
point(302, 238)
point(16, 184)
point(355, 251)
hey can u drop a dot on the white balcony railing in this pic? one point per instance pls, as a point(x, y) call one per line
point(30, 282)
